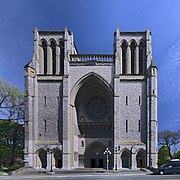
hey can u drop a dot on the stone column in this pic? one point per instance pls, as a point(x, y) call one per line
point(53, 161)
point(49, 60)
point(143, 60)
point(133, 161)
point(41, 60)
point(57, 60)
point(128, 60)
point(48, 161)
point(120, 56)
point(117, 117)
point(38, 161)
point(137, 60)
point(66, 125)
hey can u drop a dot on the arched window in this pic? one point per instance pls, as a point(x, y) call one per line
point(124, 49)
point(141, 57)
point(53, 47)
point(61, 44)
point(44, 46)
point(133, 46)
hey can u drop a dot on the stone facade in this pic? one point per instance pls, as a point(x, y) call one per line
point(77, 105)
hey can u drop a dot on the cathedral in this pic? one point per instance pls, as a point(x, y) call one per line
point(91, 110)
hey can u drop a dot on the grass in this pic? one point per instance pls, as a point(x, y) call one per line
point(2, 173)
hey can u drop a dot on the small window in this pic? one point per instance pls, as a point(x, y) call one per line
point(153, 92)
point(82, 143)
point(126, 100)
point(126, 125)
point(58, 100)
point(139, 126)
point(44, 125)
point(45, 100)
point(139, 100)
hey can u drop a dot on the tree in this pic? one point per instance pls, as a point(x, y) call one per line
point(170, 139)
point(11, 142)
point(11, 103)
point(11, 123)
point(163, 155)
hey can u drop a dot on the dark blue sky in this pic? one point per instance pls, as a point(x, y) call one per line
point(93, 23)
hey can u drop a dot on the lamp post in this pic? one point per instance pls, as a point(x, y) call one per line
point(116, 149)
point(107, 152)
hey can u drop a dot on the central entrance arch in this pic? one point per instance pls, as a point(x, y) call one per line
point(92, 101)
point(93, 156)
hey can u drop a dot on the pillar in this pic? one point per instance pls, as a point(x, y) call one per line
point(137, 60)
point(41, 60)
point(57, 60)
point(49, 60)
point(144, 60)
point(48, 161)
point(120, 56)
point(38, 161)
point(53, 161)
point(128, 60)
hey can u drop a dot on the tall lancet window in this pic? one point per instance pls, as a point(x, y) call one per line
point(133, 46)
point(61, 44)
point(44, 46)
point(53, 46)
point(141, 58)
point(124, 49)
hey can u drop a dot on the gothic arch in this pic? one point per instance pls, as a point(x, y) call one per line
point(125, 158)
point(133, 45)
point(43, 40)
point(52, 40)
point(93, 156)
point(133, 41)
point(124, 46)
point(141, 158)
point(58, 158)
point(85, 79)
point(123, 41)
point(42, 154)
point(141, 56)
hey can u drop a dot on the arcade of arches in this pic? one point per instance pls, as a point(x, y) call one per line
point(92, 158)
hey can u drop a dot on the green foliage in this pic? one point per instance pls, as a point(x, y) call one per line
point(11, 103)
point(170, 139)
point(11, 142)
point(163, 155)
point(177, 155)
point(11, 124)
point(13, 168)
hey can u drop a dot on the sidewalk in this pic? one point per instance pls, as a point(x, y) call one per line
point(29, 172)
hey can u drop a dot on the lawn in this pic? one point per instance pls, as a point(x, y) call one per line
point(2, 172)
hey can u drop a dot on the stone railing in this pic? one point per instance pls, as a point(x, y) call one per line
point(91, 57)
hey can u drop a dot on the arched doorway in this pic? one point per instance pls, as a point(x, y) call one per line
point(141, 159)
point(92, 102)
point(43, 158)
point(58, 158)
point(94, 157)
point(125, 157)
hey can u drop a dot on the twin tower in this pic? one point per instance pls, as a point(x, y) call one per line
point(78, 105)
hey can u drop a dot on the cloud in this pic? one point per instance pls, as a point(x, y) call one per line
point(169, 75)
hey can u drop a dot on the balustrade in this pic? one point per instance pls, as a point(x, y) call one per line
point(91, 57)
